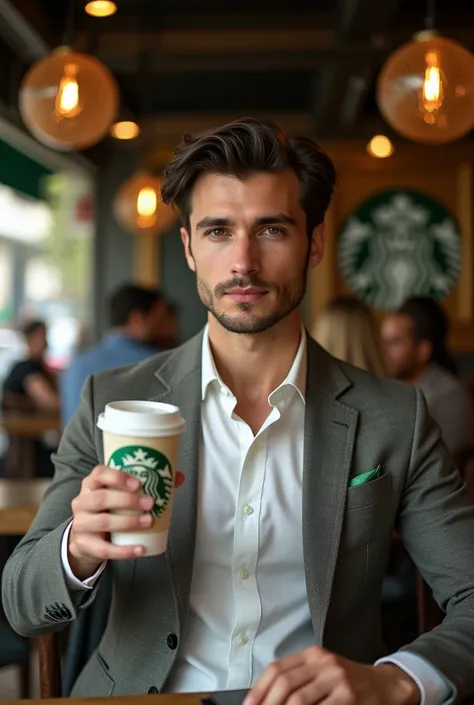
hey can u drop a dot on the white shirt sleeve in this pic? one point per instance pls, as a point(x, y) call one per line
point(73, 583)
point(435, 689)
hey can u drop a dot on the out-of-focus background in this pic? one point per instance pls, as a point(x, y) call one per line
point(94, 98)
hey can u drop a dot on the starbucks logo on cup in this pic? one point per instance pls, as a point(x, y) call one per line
point(151, 467)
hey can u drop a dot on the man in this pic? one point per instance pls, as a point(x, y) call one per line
point(414, 340)
point(136, 316)
point(306, 465)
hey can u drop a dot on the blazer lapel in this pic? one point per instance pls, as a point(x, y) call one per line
point(330, 429)
point(180, 378)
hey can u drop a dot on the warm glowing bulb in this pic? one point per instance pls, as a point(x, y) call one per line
point(146, 203)
point(101, 8)
point(67, 99)
point(380, 146)
point(125, 130)
point(432, 90)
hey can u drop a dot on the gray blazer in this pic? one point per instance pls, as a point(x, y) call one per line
point(354, 422)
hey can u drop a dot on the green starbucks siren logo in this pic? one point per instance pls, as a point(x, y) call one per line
point(397, 244)
point(151, 467)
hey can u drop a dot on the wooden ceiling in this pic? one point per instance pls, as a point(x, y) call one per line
point(309, 64)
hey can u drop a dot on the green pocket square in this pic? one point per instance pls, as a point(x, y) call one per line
point(366, 477)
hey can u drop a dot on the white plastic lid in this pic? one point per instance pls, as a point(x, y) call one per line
point(141, 419)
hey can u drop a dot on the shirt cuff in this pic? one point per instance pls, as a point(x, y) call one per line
point(435, 689)
point(73, 583)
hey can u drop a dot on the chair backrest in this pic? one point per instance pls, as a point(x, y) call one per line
point(49, 649)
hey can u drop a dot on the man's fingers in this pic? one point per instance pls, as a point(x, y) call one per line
point(106, 523)
point(179, 479)
point(96, 549)
point(270, 675)
point(102, 476)
point(286, 684)
point(103, 500)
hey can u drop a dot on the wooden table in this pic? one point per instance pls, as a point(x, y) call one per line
point(19, 502)
point(171, 699)
point(31, 426)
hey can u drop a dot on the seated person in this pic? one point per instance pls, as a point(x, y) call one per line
point(31, 387)
point(414, 340)
point(136, 316)
point(347, 330)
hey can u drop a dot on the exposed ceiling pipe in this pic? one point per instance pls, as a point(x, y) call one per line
point(18, 33)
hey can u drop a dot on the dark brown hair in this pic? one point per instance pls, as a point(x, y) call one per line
point(245, 147)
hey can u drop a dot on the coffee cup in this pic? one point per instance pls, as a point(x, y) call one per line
point(142, 438)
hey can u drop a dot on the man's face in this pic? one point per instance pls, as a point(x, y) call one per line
point(401, 350)
point(249, 248)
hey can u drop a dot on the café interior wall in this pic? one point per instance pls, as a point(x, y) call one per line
point(443, 172)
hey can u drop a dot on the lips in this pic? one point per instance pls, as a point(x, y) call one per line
point(246, 295)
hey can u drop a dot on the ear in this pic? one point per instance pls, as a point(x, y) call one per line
point(186, 240)
point(317, 245)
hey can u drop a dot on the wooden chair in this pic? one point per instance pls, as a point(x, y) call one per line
point(49, 651)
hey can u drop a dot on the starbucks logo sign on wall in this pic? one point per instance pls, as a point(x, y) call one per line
point(151, 467)
point(397, 244)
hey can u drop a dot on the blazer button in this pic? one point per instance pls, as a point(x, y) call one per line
point(172, 641)
point(153, 690)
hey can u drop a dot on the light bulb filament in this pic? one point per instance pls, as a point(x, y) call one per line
point(67, 100)
point(432, 91)
point(146, 202)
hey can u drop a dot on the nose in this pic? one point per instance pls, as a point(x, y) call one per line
point(245, 256)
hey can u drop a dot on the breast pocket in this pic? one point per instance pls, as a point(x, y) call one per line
point(366, 509)
point(369, 493)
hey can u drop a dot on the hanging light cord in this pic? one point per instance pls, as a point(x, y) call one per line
point(68, 39)
point(430, 14)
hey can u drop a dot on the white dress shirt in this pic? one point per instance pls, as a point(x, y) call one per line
point(248, 602)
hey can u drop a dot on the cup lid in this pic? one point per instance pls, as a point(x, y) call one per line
point(141, 419)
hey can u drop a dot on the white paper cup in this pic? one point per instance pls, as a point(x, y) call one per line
point(142, 438)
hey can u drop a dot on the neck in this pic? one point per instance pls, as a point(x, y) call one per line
point(252, 366)
point(416, 376)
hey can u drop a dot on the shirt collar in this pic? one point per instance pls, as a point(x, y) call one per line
point(295, 379)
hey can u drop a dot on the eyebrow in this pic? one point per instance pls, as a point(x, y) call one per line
point(276, 218)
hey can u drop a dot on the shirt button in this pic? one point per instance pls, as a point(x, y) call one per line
point(248, 510)
point(244, 574)
point(243, 640)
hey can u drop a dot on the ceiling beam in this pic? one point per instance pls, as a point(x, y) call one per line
point(19, 34)
point(167, 129)
point(174, 42)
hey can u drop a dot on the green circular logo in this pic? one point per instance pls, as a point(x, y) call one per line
point(151, 467)
point(397, 244)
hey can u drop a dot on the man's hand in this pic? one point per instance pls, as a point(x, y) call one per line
point(104, 492)
point(317, 676)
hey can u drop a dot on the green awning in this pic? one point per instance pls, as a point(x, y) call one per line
point(20, 172)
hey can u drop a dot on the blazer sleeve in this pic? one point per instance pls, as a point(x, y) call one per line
point(35, 594)
point(436, 525)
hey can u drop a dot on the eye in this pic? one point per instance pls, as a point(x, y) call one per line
point(216, 233)
point(274, 231)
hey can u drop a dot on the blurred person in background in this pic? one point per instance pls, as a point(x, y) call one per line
point(30, 384)
point(169, 327)
point(347, 330)
point(138, 315)
point(31, 387)
point(415, 347)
